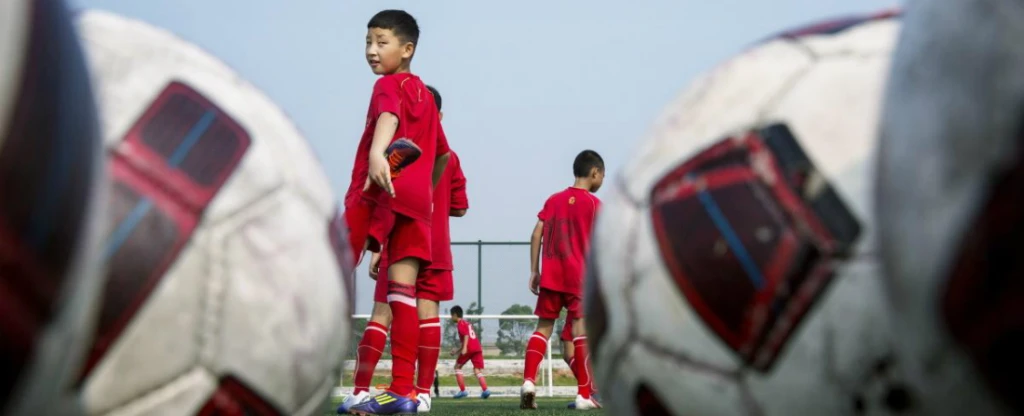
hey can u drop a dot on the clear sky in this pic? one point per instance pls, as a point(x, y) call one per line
point(526, 84)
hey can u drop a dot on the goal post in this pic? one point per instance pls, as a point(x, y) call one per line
point(490, 322)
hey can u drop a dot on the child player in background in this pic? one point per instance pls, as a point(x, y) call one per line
point(401, 107)
point(469, 350)
point(562, 237)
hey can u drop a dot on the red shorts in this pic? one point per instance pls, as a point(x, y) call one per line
point(435, 285)
point(409, 238)
point(567, 330)
point(476, 357)
point(550, 304)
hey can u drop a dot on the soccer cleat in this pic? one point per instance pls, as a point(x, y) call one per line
point(352, 400)
point(586, 404)
point(460, 394)
point(386, 403)
point(485, 394)
point(527, 394)
point(423, 403)
point(401, 153)
point(572, 405)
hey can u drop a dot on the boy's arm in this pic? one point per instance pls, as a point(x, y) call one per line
point(535, 243)
point(465, 345)
point(384, 107)
point(374, 265)
point(380, 172)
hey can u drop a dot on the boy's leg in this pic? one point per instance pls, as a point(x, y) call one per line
point(408, 247)
point(478, 369)
point(568, 349)
point(568, 353)
point(579, 341)
point(371, 346)
point(405, 333)
point(430, 292)
point(459, 362)
point(547, 310)
point(537, 348)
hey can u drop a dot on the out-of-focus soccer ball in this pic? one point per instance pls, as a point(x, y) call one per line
point(733, 270)
point(51, 195)
point(227, 291)
point(950, 204)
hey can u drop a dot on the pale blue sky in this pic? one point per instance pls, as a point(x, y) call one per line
point(526, 84)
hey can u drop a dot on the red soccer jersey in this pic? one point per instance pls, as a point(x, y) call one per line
point(466, 330)
point(568, 219)
point(405, 96)
point(450, 194)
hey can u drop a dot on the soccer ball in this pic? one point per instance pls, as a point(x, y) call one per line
point(733, 270)
point(51, 195)
point(229, 283)
point(949, 204)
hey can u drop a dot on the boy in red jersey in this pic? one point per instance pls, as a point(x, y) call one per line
point(400, 107)
point(469, 350)
point(434, 284)
point(562, 237)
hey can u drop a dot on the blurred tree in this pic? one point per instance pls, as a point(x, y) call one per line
point(512, 333)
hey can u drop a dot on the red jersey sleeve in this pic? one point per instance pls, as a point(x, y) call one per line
point(442, 141)
point(459, 200)
point(386, 98)
point(463, 329)
point(545, 213)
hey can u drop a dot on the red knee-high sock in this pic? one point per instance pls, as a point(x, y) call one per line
point(572, 365)
point(405, 336)
point(368, 354)
point(461, 380)
point(483, 381)
point(430, 349)
point(535, 350)
point(582, 366)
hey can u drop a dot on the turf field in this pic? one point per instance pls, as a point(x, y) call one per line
point(496, 380)
point(498, 406)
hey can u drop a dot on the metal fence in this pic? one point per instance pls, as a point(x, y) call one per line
point(480, 261)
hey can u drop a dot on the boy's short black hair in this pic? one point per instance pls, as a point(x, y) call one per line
point(456, 311)
point(585, 162)
point(402, 24)
point(437, 96)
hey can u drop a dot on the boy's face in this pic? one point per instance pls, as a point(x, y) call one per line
point(385, 52)
point(455, 319)
point(440, 115)
point(596, 179)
